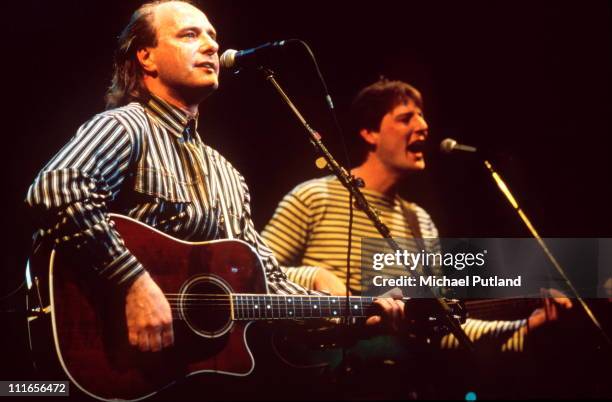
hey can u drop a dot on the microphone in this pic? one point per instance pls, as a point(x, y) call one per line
point(240, 58)
point(449, 145)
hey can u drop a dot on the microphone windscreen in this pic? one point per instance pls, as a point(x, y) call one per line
point(228, 58)
point(448, 145)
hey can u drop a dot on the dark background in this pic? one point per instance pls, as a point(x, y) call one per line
point(531, 82)
point(528, 80)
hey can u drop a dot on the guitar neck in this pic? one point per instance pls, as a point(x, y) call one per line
point(271, 307)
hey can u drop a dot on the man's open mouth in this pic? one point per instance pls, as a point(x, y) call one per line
point(417, 146)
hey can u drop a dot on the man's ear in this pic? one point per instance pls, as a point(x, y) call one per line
point(146, 60)
point(371, 137)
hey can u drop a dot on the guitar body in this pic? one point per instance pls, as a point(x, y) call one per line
point(89, 325)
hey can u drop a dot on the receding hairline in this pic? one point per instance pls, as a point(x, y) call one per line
point(155, 9)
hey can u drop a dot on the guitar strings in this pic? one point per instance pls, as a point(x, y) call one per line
point(223, 302)
point(270, 295)
point(537, 295)
point(252, 306)
point(261, 301)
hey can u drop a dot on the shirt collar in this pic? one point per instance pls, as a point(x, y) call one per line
point(174, 119)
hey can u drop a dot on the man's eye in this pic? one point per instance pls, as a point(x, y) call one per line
point(190, 35)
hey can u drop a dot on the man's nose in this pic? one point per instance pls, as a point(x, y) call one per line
point(209, 45)
point(422, 127)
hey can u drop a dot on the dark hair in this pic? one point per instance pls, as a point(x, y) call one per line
point(373, 102)
point(127, 84)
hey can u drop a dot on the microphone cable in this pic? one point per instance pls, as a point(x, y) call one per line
point(340, 133)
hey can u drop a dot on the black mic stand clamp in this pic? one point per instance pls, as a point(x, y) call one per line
point(352, 185)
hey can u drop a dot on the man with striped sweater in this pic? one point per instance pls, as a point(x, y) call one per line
point(309, 228)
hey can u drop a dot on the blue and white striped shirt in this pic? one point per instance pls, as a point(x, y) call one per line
point(147, 162)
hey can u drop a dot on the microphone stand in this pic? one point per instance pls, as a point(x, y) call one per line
point(506, 191)
point(352, 185)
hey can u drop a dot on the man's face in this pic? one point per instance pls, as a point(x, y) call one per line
point(185, 58)
point(403, 126)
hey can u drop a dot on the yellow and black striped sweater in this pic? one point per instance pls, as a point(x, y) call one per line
point(309, 231)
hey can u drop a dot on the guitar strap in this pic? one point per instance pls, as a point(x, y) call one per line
point(413, 223)
point(224, 215)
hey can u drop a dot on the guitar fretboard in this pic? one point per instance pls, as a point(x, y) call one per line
point(270, 307)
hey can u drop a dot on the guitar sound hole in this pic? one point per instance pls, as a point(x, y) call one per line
point(206, 307)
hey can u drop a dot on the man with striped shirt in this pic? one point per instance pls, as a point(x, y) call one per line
point(310, 225)
point(143, 158)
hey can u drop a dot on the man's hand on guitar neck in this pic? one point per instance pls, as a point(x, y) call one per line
point(391, 317)
point(148, 314)
point(391, 306)
point(392, 312)
point(555, 304)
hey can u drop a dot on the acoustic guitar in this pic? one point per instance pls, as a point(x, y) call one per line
point(216, 290)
